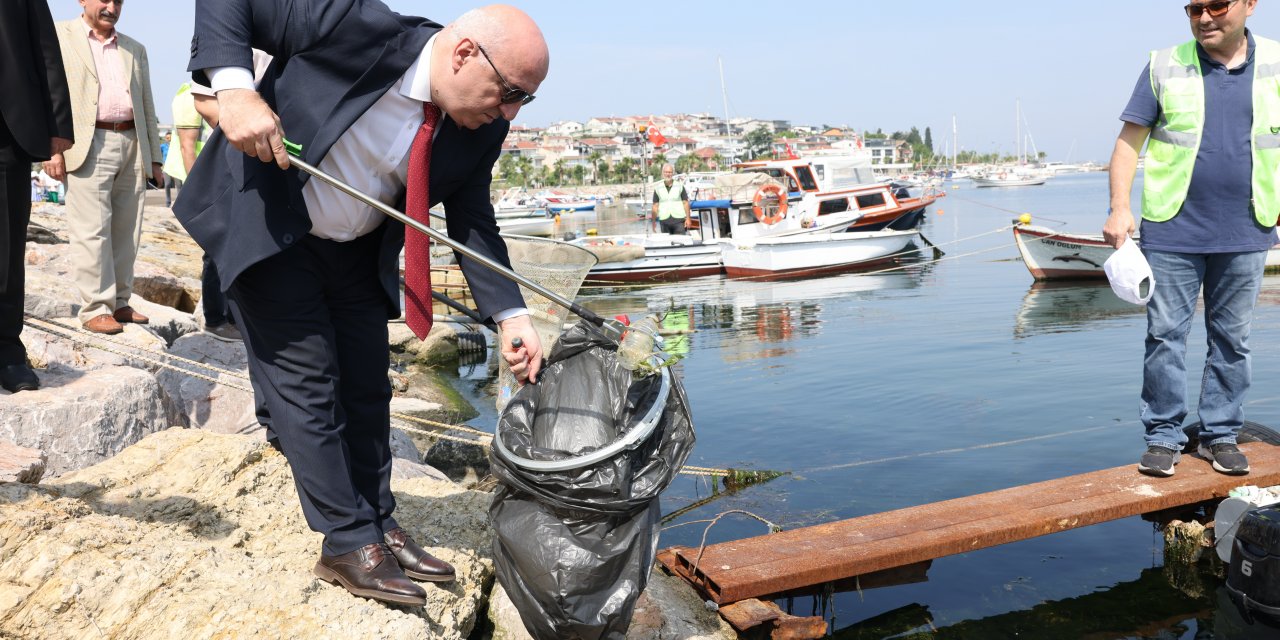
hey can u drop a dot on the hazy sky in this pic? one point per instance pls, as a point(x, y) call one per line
point(887, 65)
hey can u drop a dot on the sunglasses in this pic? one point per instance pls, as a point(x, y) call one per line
point(1214, 9)
point(510, 94)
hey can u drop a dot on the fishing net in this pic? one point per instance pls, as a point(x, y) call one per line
point(561, 268)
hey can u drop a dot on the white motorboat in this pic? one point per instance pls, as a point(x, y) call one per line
point(1009, 179)
point(812, 253)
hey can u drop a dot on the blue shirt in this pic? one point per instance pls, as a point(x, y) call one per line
point(1216, 216)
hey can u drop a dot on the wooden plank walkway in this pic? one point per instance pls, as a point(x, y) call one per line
point(780, 562)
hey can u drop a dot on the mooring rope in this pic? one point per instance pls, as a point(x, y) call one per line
point(102, 342)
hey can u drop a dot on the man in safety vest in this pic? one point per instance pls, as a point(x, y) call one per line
point(1211, 108)
point(670, 203)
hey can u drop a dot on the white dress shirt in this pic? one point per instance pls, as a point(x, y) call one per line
point(372, 155)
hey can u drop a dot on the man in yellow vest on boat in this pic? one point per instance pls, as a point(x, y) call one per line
point(1211, 108)
point(670, 203)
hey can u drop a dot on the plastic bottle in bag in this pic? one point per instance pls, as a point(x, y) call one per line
point(638, 343)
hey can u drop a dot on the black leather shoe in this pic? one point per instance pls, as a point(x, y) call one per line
point(371, 572)
point(415, 561)
point(19, 377)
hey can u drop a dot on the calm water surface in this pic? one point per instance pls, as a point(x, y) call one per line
point(935, 381)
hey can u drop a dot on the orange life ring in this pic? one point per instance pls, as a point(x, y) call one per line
point(758, 208)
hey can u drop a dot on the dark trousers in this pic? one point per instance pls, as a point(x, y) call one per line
point(15, 213)
point(212, 300)
point(314, 318)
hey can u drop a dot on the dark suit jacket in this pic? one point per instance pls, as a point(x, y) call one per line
point(333, 60)
point(34, 100)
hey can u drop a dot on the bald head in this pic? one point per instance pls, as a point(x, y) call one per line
point(483, 55)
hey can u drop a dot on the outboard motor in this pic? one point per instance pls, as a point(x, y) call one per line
point(1254, 575)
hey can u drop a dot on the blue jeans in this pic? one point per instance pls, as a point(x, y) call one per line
point(1231, 282)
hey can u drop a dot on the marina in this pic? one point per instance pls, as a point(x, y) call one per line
point(962, 377)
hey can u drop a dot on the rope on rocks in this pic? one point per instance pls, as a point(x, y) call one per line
point(102, 342)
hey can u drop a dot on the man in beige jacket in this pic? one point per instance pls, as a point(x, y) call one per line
point(115, 147)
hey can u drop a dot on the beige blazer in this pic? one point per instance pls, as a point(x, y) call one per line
point(82, 78)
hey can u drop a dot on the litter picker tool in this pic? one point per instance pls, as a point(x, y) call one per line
point(610, 328)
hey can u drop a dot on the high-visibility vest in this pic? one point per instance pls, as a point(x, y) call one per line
point(1178, 83)
point(669, 203)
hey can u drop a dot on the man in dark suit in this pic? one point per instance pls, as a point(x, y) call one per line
point(35, 122)
point(312, 274)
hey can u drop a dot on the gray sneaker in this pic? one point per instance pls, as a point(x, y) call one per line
point(226, 332)
point(1159, 461)
point(1226, 458)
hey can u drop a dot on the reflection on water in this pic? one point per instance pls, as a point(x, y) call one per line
point(1053, 307)
point(1157, 605)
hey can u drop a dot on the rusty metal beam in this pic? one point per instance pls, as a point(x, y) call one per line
point(780, 562)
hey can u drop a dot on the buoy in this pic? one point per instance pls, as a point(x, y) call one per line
point(1025, 218)
point(592, 231)
point(940, 212)
point(557, 218)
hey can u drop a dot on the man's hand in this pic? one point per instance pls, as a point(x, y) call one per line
point(526, 360)
point(251, 126)
point(56, 167)
point(58, 146)
point(1118, 227)
point(157, 172)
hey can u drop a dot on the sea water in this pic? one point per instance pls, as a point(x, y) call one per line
point(936, 380)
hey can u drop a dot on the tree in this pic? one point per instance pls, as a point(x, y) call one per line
point(579, 173)
point(655, 166)
point(928, 139)
point(690, 162)
point(596, 159)
point(625, 170)
point(759, 142)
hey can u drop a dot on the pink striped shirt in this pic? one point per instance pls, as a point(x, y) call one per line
point(114, 102)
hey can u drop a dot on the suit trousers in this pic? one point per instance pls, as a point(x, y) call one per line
point(104, 221)
point(314, 320)
point(15, 213)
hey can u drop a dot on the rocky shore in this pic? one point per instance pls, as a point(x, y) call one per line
point(138, 498)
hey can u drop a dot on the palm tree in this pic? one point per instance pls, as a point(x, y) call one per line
point(595, 158)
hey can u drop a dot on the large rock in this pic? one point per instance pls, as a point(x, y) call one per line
point(197, 535)
point(80, 418)
point(20, 464)
point(48, 290)
point(440, 344)
point(225, 406)
point(136, 346)
point(157, 284)
point(166, 322)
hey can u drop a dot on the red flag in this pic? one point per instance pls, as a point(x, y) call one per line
point(656, 137)
point(791, 155)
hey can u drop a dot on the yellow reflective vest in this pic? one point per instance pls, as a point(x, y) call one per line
point(669, 203)
point(1178, 83)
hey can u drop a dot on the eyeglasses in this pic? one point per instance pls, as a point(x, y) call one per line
point(510, 94)
point(1214, 9)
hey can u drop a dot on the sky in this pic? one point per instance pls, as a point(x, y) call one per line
point(1071, 66)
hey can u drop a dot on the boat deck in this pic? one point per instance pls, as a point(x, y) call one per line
point(791, 560)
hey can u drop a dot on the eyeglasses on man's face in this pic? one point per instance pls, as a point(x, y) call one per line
point(1214, 9)
point(510, 94)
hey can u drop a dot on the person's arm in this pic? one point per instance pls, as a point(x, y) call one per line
point(1124, 165)
point(187, 139)
point(207, 107)
point(688, 212)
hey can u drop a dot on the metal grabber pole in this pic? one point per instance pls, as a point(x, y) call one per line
point(612, 329)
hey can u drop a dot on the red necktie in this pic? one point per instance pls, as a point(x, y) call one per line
point(417, 247)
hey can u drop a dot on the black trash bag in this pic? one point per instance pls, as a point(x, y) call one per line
point(574, 548)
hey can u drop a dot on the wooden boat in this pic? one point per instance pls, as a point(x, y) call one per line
point(812, 253)
point(1057, 255)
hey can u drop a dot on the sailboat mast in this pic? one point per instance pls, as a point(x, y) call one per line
point(724, 94)
point(1017, 124)
point(954, 142)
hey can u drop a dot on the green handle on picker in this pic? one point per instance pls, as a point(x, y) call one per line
point(612, 329)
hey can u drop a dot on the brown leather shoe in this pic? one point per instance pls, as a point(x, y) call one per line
point(415, 561)
point(103, 324)
point(127, 314)
point(371, 572)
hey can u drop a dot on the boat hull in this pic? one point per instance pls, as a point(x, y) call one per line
point(1009, 182)
point(813, 254)
point(1054, 255)
point(679, 260)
